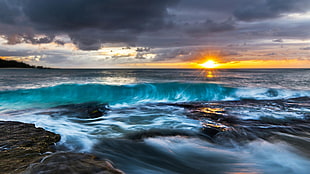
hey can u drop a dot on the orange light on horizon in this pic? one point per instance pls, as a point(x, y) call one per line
point(292, 63)
point(211, 64)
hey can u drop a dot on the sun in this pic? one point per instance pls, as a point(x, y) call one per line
point(209, 64)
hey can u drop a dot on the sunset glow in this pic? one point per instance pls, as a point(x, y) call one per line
point(229, 38)
point(209, 64)
point(293, 63)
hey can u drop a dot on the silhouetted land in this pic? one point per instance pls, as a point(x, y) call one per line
point(16, 64)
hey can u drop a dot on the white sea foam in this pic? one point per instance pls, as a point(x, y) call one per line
point(268, 94)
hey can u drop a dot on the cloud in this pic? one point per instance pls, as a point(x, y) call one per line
point(247, 10)
point(118, 18)
point(140, 56)
point(270, 54)
point(225, 53)
point(175, 53)
point(172, 28)
point(29, 38)
point(90, 24)
point(9, 11)
point(104, 14)
point(60, 42)
point(265, 9)
point(143, 49)
point(277, 40)
point(92, 39)
point(305, 48)
point(210, 26)
point(20, 53)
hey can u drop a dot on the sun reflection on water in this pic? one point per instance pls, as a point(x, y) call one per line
point(210, 74)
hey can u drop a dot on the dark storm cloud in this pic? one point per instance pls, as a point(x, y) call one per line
point(9, 11)
point(248, 10)
point(6, 12)
point(210, 26)
point(92, 23)
point(117, 17)
point(92, 39)
point(214, 5)
point(264, 9)
point(135, 15)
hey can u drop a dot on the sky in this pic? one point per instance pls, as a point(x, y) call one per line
point(156, 33)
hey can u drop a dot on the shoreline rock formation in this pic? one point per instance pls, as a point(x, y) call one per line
point(22, 144)
point(29, 150)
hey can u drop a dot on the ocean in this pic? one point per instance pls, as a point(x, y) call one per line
point(170, 121)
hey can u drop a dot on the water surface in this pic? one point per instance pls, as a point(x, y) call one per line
point(170, 121)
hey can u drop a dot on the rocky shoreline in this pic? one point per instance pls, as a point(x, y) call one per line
point(28, 150)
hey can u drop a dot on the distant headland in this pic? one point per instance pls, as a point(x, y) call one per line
point(16, 64)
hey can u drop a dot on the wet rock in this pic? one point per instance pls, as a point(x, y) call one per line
point(96, 110)
point(73, 163)
point(212, 129)
point(29, 150)
point(225, 122)
point(22, 144)
point(83, 110)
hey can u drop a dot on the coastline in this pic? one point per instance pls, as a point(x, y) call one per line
point(16, 64)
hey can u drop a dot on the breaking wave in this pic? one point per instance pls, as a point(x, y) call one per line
point(138, 93)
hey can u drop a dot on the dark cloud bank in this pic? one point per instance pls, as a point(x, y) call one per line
point(90, 23)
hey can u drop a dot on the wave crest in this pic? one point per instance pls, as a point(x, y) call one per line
point(114, 94)
point(138, 93)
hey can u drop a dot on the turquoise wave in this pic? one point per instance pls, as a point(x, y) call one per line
point(114, 94)
point(135, 94)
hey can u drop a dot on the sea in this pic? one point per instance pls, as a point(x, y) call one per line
point(170, 121)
